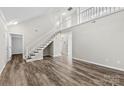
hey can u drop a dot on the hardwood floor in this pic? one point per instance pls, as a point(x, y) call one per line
point(59, 71)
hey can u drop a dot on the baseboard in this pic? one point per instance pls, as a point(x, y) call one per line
point(16, 53)
point(31, 60)
point(87, 61)
point(47, 56)
point(2, 69)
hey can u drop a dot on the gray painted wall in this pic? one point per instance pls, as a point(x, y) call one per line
point(48, 51)
point(3, 51)
point(101, 42)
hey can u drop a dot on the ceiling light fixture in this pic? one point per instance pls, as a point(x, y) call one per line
point(13, 23)
point(70, 8)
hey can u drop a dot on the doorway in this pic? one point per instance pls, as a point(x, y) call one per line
point(15, 45)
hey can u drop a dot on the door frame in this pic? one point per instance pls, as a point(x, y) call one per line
point(10, 33)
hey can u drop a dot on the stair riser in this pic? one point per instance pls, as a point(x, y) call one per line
point(38, 53)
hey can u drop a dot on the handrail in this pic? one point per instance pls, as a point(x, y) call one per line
point(38, 43)
point(81, 11)
point(90, 14)
point(85, 16)
point(95, 12)
point(39, 39)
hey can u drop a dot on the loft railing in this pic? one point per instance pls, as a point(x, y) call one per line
point(88, 14)
point(96, 12)
point(82, 16)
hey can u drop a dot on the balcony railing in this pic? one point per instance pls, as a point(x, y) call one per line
point(95, 12)
point(87, 14)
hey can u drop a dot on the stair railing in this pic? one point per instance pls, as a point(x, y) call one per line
point(40, 41)
point(96, 12)
point(84, 16)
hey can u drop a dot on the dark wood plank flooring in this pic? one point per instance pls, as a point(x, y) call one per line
point(59, 71)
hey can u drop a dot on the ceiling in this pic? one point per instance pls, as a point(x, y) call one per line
point(21, 14)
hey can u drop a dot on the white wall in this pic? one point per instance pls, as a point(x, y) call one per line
point(57, 45)
point(34, 29)
point(2, 47)
point(101, 42)
point(66, 43)
point(69, 44)
point(62, 45)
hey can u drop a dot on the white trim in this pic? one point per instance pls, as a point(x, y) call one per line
point(31, 60)
point(91, 20)
point(116, 68)
point(16, 33)
point(2, 68)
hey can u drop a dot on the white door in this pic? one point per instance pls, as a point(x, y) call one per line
point(17, 44)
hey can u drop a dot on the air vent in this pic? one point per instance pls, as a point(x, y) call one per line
point(70, 8)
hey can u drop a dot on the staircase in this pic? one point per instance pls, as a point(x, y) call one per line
point(36, 51)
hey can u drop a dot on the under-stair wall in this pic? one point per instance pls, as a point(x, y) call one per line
point(62, 45)
point(48, 51)
point(57, 45)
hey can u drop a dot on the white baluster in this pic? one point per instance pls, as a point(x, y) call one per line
point(92, 12)
point(96, 11)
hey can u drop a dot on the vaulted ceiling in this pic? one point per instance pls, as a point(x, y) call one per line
point(21, 14)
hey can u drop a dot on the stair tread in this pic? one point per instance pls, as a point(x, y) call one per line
point(36, 52)
point(32, 54)
point(29, 58)
point(39, 49)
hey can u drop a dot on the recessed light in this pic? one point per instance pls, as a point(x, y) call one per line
point(63, 13)
point(57, 23)
point(13, 23)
